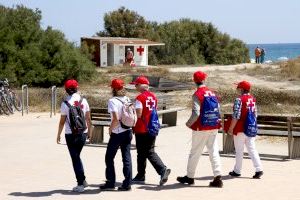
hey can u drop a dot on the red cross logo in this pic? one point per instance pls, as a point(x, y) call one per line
point(150, 103)
point(140, 50)
point(209, 93)
point(251, 104)
point(76, 103)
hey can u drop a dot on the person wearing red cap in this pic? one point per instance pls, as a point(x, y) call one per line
point(120, 137)
point(237, 128)
point(75, 141)
point(203, 134)
point(145, 142)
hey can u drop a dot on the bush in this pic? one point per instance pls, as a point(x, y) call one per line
point(37, 57)
point(186, 41)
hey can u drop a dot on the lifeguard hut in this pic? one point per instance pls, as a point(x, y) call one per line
point(111, 51)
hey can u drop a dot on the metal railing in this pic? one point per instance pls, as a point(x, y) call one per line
point(25, 99)
point(53, 101)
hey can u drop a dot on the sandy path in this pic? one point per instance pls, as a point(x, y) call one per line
point(32, 165)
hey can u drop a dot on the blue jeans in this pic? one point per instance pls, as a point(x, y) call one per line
point(75, 143)
point(116, 141)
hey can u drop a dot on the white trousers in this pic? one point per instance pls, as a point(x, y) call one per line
point(241, 140)
point(200, 139)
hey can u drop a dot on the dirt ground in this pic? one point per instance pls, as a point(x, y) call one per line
point(34, 166)
point(226, 75)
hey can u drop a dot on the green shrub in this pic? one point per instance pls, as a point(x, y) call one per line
point(186, 41)
point(36, 57)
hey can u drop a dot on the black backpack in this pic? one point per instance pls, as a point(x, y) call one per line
point(76, 118)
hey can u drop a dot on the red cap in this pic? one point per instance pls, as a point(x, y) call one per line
point(244, 85)
point(71, 83)
point(199, 76)
point(117, 84)
point(140, 80)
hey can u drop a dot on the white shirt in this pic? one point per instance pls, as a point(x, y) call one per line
point(75, 98)
point(115, 105)
point(138, 104)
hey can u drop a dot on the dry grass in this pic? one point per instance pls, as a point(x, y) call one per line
point(291, 69)
point(97, 91)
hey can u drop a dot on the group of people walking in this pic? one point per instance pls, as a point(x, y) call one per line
point(204, 122)
point(259, 55)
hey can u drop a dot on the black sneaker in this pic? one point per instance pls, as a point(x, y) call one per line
point(107, 187)
point(164, 176)
point(185, 179)
point(257, 175)
point(217, 182)
point(138, 179)
point(234, 174)
point(122, 188)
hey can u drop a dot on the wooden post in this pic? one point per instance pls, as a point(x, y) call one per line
point(290, 137)
point(97, 135)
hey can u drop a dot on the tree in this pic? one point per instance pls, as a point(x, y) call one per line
point(124, 23)
point(37, 57)
point(186, 41)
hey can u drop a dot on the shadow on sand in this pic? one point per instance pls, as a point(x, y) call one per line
point(52, 192)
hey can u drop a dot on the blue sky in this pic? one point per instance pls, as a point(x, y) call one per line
point(255, 21)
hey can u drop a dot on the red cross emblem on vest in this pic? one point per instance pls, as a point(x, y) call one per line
point(251, 104)
point(209, 94)
point(140, 50)
point(150, 103)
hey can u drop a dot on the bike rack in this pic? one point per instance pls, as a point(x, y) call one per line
point(53, 101)
point(25, 97)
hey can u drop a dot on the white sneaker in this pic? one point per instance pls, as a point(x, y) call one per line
point(79, 189)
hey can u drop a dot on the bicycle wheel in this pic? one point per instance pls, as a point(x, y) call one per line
point(9, 103)
point(3, 106)
point(16, 101)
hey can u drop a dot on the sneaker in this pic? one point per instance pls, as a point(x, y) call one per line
point(138, 179)
point(257, 175)
point(164, 177)
point(217, 182)
point(122, 188)
point(85, 184)
point(78, 188)
point(234, 174)
point(107, 187)
point(185, 179)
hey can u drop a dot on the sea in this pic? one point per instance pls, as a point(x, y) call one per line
point(276, 52)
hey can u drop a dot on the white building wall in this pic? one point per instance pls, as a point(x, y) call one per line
point(103, 54)
point(119, 54)
point(143, 59)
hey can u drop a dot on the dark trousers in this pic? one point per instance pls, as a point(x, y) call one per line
point(257, 59)
point(116, 141)
point(75, 143)
point(145, 150)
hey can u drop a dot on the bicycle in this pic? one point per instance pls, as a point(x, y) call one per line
point(9, 99)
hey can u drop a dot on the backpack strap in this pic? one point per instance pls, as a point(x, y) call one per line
point(119, 100)
point(123, 102)
point(69, 105)
point(80, 101)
